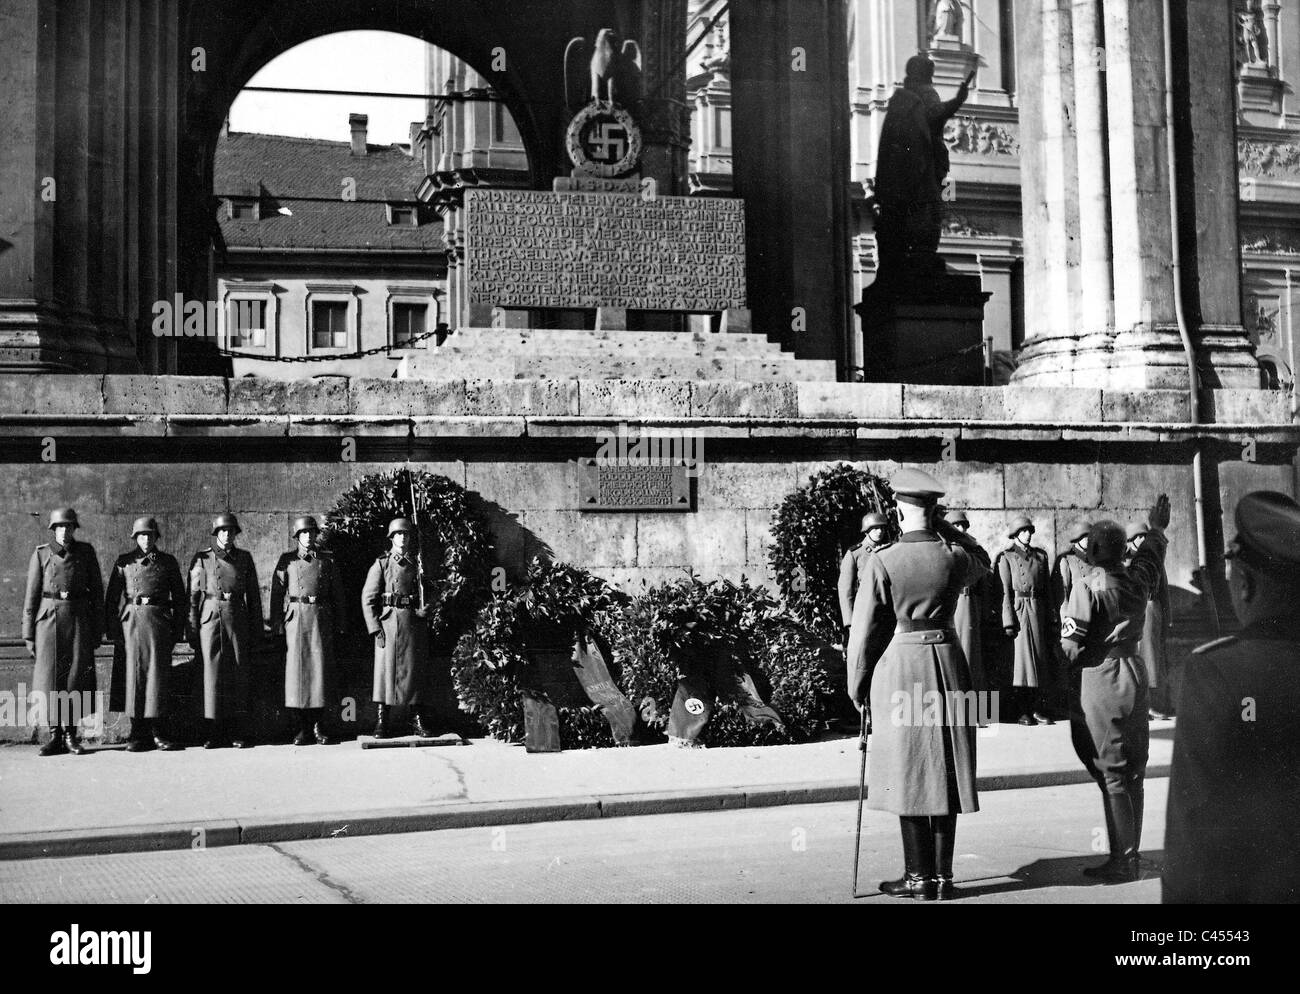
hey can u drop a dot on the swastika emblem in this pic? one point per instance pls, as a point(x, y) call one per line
point(607, 142)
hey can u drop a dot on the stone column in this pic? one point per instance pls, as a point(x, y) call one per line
point(790, 125)
point(665, 114)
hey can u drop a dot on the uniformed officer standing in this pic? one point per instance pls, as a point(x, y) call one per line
point(307, 604)
point(875, 536)
point(1108, 714)
point(1234, 789)
point(63, 616)
point(1071, 566)
point(966, 617)
point(1154, 632)
point(1023, 572)
point(392, 603)
point(922, 761)
point(225, 623)
point(145, 613)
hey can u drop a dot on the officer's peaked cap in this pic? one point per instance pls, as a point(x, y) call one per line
point(1268, 532)
point(146, 525)
point(400, 525)
point(915, 486)
point(226, 520)
point(874, 520)
point(304, 524)
point(1019, 525)
point(64, 516)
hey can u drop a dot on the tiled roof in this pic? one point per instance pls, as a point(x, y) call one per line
point(278, 169)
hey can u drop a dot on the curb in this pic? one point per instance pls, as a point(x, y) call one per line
point(210, 834)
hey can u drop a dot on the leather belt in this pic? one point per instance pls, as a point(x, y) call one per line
point(399, 600)
point(921, 625)
point(305, 600)
point(220, 595)
point(63, 595)
point(163, 600)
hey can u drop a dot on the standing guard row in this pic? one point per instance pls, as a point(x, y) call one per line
point(216, 606)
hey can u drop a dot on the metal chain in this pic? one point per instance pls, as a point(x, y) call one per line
point(333, 357)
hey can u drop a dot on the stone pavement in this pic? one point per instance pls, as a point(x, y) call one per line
point(114, 801)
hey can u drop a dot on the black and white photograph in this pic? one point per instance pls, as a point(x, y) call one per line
point(652, 452)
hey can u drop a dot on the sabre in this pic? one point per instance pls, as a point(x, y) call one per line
point(862, 793)
point(419, 546)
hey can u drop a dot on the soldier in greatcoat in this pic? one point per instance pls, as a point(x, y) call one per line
point(1234, 788)
point(225, 624)
point(393, 604)
point(966, 617)
point(63, 618)
point(307, 605)
point(1023, 572)
point(1109, 725)
point(875, 536)
point(145, 612)
point(1154, 632)
point(923, 751)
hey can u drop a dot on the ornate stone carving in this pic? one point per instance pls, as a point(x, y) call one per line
point(1268, 245)
point(1268, 158)
point(1252, 36)
point(946, 20)
point(961, 226)
point(970, 136)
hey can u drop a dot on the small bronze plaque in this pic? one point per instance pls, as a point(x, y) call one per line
point(623, 486)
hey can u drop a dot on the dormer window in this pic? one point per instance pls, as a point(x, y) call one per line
point(242, 209)
point(401, 216)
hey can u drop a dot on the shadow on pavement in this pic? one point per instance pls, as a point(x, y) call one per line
point(1062, 872)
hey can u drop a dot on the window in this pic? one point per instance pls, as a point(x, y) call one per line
point(401, 216)
point(247, 323)
point(329, 324)
point(504, 131)
point(243, 210)
point(409, 322)
point(722, 127)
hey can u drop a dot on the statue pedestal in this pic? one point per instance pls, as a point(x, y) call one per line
point(924, 328)
point(953, 60)
point(1260, 93)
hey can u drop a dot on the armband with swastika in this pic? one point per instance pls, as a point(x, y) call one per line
point(1072, 629)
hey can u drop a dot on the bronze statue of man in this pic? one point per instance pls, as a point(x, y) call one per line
point(911, 165)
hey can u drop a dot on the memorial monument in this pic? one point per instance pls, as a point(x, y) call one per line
point(921, 323)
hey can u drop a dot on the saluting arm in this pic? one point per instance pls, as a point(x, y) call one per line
point(1148, 564)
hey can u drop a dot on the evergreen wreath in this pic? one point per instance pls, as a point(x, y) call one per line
point(455, 543)
point(669, 627)
point(491, 666)
point(811, 531)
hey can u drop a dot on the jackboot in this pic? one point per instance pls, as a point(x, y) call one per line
point(918, 881)
point(381, 722)
point(318, 728)
point(1112, 843)
point(140, 739)
point(55, 746)
point(304, 736)
point(1137, 794)
point(1122, 867)
point(945, 841)
point(74, 742)
point(421, 726)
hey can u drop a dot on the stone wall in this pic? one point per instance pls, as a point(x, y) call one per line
point(184, 449)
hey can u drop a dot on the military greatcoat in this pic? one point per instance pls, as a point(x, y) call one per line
point(852, 567)
point(389, 600)
point(226, 615)
point(63, 613)
point(925, 716)
point(1022, 571)
point(1234, 788)
point(145, 610)
point(966, 619)
point(307, 601)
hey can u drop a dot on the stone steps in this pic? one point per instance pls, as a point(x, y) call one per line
point(444, 364)
point(638, 343)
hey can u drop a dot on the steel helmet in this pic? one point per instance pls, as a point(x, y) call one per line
point(1019, 525)
point(400, 525)
point(226, 520)
point(64, 516)
point(146, 525)
point(306, 523)
point(874, 520)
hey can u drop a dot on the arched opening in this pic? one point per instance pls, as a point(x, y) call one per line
point(336, 180)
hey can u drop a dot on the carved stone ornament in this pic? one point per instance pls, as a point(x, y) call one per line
point(603, 141)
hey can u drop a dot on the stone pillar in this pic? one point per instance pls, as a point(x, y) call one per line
point(790, 126)
point(665, 114)
point(1097, 302)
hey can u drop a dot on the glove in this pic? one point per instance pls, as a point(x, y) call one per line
point(422, 612)
point(31, 647)
point(1011, 631)
point(379, 639)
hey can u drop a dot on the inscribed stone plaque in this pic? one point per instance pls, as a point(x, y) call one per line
point(632, 487)
point(531, 248)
